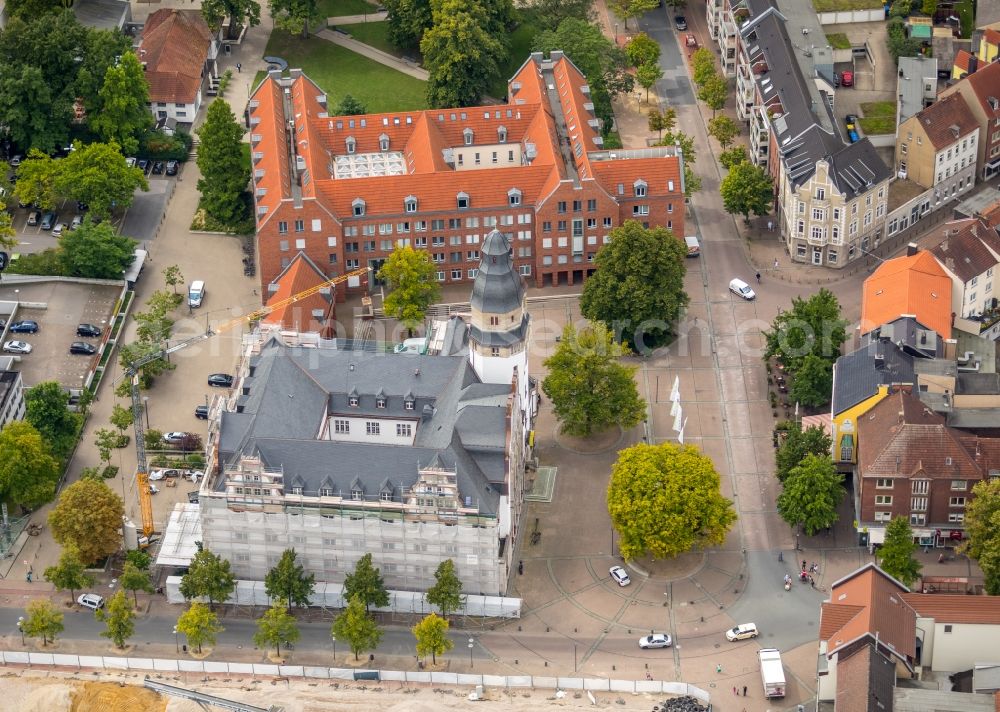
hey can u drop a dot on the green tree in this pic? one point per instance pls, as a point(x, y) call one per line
point(172, 276)
point(638, 289)
point(714, 92)
point(811, 326)
point(366, 583)
point(349, 106)
point(224, 174)
point(899, 43)
point(356, 627)
point(813, 382)
point(660, 121)
point(135, 579)
point(642, 49)
point(736, 154)
point(747, 189)
point(412, 286)
point(549, 13)
point(101, 51)
point(929, 7)
point(122, 419)
point(406, 21)
point(982, 527)
point(119, 619)
point(664, 500)
point(28, 472)
point(289, 582)
point(105, 440)
point(43, 621)
point(682, 140)
point(295, 16)
point(239, 12)
point(797, 444)
point(460, 55)
point(124, 115)
point(896, 554)
point(627, 9)
point(724, 130)
point(96, 174)
point(69, 574)
point(446, 593)
point(702, 65)
point(432, 636)
point(209, 576)
point(8, 235)
point(811, 493)
point(36, 180)
point(200, 625)
point(96, 252)
point(275, 627)
point(139, 559)
point(31, 8)
point(647, 75)
point(47, 409)
point(88, 515)
point(589, 389)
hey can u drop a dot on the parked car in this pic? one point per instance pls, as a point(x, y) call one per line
point(680, 23)
point(91, 600)
point(34, 217)
point(221, 380)
point(88, 330)
point(656, 640)
point(82, 348)
point(17, 347)
point(77, 222)
point(142, 165)
point(742, 289)
point(49, 220)
point(171, 168)
point(153, 489)
point(158, 167)
point(57, 231)
point(130, 162)
point(742, 632)
point(847, 79)
point(851, 120)
point(25, 326)
point(174, 437)
point(82, 207)
point(620, 575)
point(194, 476)
point(201, 412)
point(162, 474)
point(15, 161)
point(193, 496)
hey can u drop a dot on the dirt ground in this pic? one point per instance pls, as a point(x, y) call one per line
point(38, 691)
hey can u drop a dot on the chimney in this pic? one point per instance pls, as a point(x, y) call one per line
point(911, 249)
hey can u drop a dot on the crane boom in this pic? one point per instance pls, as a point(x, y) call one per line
point(132, 372)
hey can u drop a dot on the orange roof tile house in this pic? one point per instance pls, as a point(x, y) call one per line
point(914, 285)
point(347, 190)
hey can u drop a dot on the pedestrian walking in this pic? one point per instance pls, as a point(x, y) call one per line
point(758, 278)
point(735, 691)
point(520, 567)
point(776, 263)
point(744, 690)
point(239, 67)
point(718, 668)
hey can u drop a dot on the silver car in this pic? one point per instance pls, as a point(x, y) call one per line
point(620, 576)
point(656, 640)
point(17, 347)
point(91, 601)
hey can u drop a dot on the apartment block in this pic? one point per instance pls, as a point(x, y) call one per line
point(937, 148)
point(981, 91)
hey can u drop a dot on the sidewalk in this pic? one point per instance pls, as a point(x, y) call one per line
point(357, 19)
point(377, 55)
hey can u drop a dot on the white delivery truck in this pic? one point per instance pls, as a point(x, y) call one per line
point(771, 672)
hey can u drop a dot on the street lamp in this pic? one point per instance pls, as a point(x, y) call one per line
point(472, 642)
point(145, 408)
point(177, 645)
point(334, 639)
point(20, 627)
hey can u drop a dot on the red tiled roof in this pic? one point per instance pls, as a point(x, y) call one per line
point(962, 252)
point(300, 275)
point(275, 178)
point(174, 47)
point(915, 285)
point(951, 608)
point(869, 601)
point(991, 36)
point(963, 60)
point(947, 120)
point(985, 83)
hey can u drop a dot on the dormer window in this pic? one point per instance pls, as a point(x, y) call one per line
point(467, 135)
point(386, 495)
point(463, 200)
point(353, 401)
point(670, 186)
point(514, 196)
point(640, 188)
point(383, 142)
point(358, 205)
point(380, 402)
point(356, 495)
point(502, 134)
point(408, 404)
point(410, 203)
point(351, 144)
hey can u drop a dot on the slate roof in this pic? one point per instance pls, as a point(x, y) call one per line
point(962, 252)
point(915, 285)
point(498, 288)
point(947, 120)
point(174, 47)
point(858, 375)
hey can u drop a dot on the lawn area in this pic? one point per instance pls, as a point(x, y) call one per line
point(339, 71)
point(879, 117)
point(340, 8)
point(965, 17)
point(844, 5)
point(838, 40)
point(374, 34)
point(520, 47)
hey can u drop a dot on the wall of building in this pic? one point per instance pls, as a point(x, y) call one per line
point(915, 151)
point(184, 113)
point(960, 648)
point(13, 406)
point(846, 423)
point(480, 156)
point(389, 431)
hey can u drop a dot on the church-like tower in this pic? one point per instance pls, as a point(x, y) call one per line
point(498, 332)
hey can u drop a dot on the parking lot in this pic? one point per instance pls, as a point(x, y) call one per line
point(58, 307)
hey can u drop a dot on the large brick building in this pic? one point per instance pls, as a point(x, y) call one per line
point(346, 190)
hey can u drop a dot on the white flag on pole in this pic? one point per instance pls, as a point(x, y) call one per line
point(678, 419)
point(680, 435)
point(675, 407)
point(675, 392)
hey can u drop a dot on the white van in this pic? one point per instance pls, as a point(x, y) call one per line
point(742, 289)
point(694, 248)
point(196, 293)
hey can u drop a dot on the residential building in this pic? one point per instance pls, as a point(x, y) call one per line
point(965, 64)
point(178, 54)
point(916, 86)
point(413, 458)
point(347, 190)
point(912, 465)
point(11, 394)
point(969, 253)
point(937, 148)
point(313, 312)
point(981, 91)
point(913, 284)
point(989, 45)
point(832, 196)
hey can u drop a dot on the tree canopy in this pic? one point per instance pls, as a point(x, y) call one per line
point(366, 583)
point(702, 65)
point(95, 251)
point(295, 16)
point(714, 92)
point(406, 21)
point(811, 326)
point(88, 515)
point(275, 627)
point(642, 49)
point(549, 13)
point(982, 526)
point(96, 174)
point(124, 116)
point(135, 579)
point(811, 494)
point(36, 180)
point(813, 382)
point(432, 636)
point(42, 621)
point(896, 553)
point(460, 53)
point(747, 189)
point(69, 574)
point(289, 582)
point(200, 625)
point(410, 275)
point(356, 627)
point(208, 576)
point(224, 175)
point(628, 9)
point(799, 443)
point(28, 472)
point(349, 106)
point(638, 288)
point(446, 593)
point(240, 13)
point(119, 619)
point(664, 500)
point(589, 388)
point(47, 409)
point(724, 130)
